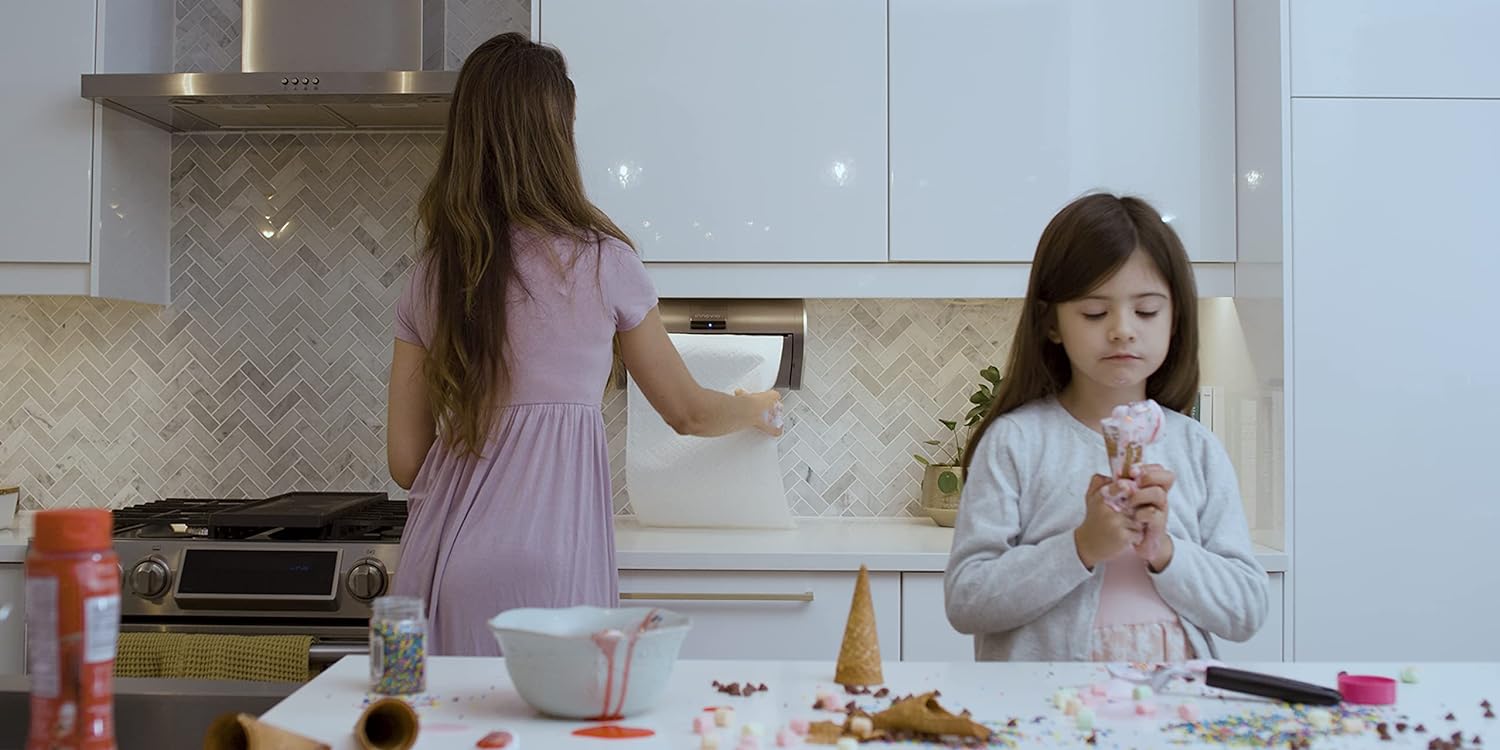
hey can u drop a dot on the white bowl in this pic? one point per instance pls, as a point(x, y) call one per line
point(587, 662)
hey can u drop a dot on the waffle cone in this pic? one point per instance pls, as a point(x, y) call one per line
point(859, 655)
point(245, 732)
point(924, 715)
point(387, 724)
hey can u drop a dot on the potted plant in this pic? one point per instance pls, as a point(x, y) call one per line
point(943, 478)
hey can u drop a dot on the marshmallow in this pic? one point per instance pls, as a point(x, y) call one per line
point(1145, 708)
point(1085, 719)
point(1062, 696)
point(847, 743)
point(752, 729)
point(703, 724)
point(1072, 707)
point(1353, 726)
point(709, 741)
point(799, 727)
point(1188, 712)
point(1320, 718)
point(1409, 675)
point(723, 716)
point(788, 738)
point(1099, 689)
point(861, 725)
point(1141, 692)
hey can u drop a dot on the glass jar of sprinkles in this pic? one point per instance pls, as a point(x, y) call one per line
point(398, 646)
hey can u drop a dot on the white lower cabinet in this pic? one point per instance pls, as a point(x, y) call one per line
point(801, 615)
point(13, 627)
point(766, 615)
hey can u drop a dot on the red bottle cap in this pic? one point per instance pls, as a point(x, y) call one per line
point(72, 530)
point(1368, 690)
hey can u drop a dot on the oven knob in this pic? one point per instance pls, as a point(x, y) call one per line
point(150, 578)
point(366, 580)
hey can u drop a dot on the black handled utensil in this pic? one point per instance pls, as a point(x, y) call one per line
point(1271, 686)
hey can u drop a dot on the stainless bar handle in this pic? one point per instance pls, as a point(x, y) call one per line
point(328, 653)
point(805, 596)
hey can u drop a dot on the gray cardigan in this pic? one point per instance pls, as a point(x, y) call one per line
point(1014, 579)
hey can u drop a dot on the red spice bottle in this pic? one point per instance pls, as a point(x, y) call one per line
point(72, 621)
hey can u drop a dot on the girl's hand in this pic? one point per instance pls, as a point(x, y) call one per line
point(763, 410)
point(1148, 505)
point(1105, 532)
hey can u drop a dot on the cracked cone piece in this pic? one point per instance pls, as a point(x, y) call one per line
point(245, 732)
point(859, 656)
point(924, 715)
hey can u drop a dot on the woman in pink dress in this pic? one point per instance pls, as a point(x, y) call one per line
point(504, 344)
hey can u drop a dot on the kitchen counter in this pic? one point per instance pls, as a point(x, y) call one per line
point(471, 697)
point(12, 546)
point(910, 545)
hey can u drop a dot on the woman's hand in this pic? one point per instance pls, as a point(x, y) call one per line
point(1105, 532)
point(1148, 505)
point(763, 410)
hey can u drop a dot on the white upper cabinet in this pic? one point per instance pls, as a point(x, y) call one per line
point(732, 131)
point(1003, 111)
point(1395, 48)
point(46, 134)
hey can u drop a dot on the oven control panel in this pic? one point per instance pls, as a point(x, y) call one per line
point(229, 578)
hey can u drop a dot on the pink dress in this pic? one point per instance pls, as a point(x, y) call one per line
point(1134, 623)
point(529, 523)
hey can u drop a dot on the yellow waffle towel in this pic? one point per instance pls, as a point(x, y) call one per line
point(273, 658)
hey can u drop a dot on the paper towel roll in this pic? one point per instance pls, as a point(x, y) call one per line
point(734, 480)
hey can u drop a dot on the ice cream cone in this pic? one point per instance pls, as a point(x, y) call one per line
point(387, 724)
point(924, 715)
point(245, 732)
point(859, 656)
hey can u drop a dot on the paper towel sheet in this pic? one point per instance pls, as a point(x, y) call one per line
point(729, 481)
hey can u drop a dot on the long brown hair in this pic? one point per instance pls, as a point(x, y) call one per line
point(508, 161)
point(1081, 248)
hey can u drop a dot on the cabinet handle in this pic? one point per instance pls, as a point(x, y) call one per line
point(805, 596)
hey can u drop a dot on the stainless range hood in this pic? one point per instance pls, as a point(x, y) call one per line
point(308, 65)
point(199, 102)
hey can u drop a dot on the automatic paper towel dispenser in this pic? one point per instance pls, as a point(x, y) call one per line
point(746, 317)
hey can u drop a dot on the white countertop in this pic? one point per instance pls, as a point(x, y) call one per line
point(470, 697)
point(909, 545)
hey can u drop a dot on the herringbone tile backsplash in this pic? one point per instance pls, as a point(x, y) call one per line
point(268, 371)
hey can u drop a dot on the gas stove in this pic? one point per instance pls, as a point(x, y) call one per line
point(302, 562)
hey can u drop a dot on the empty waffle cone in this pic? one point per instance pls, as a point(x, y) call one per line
point(245, 732)
point(859, 655)
point(924, 715)
point(387, 724)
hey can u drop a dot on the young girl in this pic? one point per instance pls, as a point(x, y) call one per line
point(1042, 568)
point(503, 347)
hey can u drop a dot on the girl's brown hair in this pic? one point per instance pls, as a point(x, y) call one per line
point(1081, 248)
point(508, 161)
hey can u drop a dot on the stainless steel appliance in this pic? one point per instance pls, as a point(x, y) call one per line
point(304, 563)
point(306, 64)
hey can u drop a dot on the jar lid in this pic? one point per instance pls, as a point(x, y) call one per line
point(72, 530)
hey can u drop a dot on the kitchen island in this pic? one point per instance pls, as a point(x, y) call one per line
point(471, 697)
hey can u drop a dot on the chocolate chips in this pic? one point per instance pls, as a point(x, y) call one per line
point(735, 689)
point(883, 692)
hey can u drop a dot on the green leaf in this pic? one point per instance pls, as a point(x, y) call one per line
point(921, 459)
point(948, 483)
point(972, 420)
point(991, 374)
point(976, 398)
point(932, 442)
point(977, 411)
point(950, 424)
